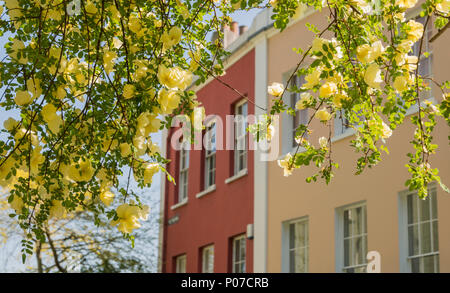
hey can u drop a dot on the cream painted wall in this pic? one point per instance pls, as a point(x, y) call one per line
point(291, 197)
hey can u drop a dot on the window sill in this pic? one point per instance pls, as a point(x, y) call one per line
point(348, 132)
point(206, 191)
point(180, 204)
point(241, 174)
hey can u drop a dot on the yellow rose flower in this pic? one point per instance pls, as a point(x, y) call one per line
point(285, 164)
point(55, 124)
point(128, 217)
point(273, 3)
point(386, 131)
point(401, 83)
point(405, 4)
point(150, 170)
point(49, 112)
point(57, 210)
point(107, 197)
point(411, 63)
point(323, 142)
point(174, 78)
point(414, 30)
point(443, 7)
point(147, 123)
point(197, 117)
point(323, 115)
point(17, 204)
point(270, 132)
point(140, 145)
point(171, 38)
point(363, 53)
point(317, 45)
point(169, 100)
point(125, 149)
point(18, 47)
point(376, 51)
point(109, 58)
point(312, 79)
point(60, 93)
point(91, 8)
point(81, 170)
point(36, 159)
point(405, 46)
point(276, 89)
point(328, 89)
point(10, 123)
point(22, 98)
point(34, 87)
point(338, 98)
point(14, 9)
point(128, 91)
point(134, 24)
point(305, 100)
point(372, 76)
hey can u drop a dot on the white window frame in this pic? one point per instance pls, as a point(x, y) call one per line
point(240, 139)
point(340, 237)
point(301, 116)
point(404, 238)
point(241, 239)
point(210, 156)
point(288, 143)
point(183, 174)
point(180, 264)
point(208, 259)
point(286, 244)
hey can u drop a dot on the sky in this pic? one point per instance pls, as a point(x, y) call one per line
point(151, 195)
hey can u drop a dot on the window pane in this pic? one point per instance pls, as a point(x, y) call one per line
point(242, 246)
point(436, 263)
point(424, 67)
point(347, 223)
point(413, 237)
point(359, 250)
point(292, 262)
point(425, 237)
point(299, 235)
point(358, 222)
point(236, 250)
point(435, 237)
point(415, 265)
point(213, 137)
point(300, 261)
point(428, 264)
point(291, 236)
point(412, 209)
point(298, 247)
point(180, 264)
point(425, 209)
point(347, 252)
point(355, 238)
point(433, 205)
point(244, 109)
